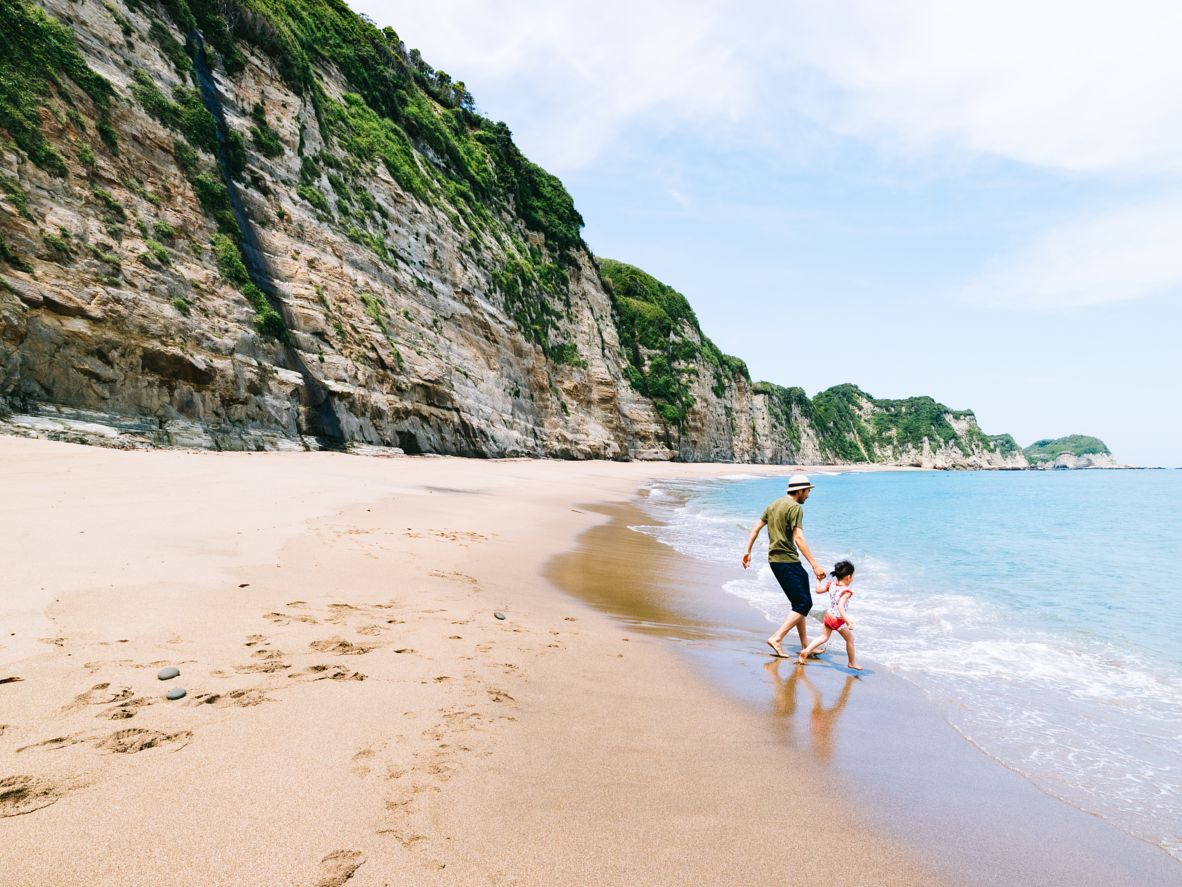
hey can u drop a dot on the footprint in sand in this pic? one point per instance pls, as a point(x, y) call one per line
point(270, 662)
point(287, 618)
point(338, 867)
point(127, 709)
point(238, 698)
point(134, 740)
point(100, 694)
point(327, 673)
point(128, 741)
point(268, 666)
point(370, 630)
point(460, 537)
point(457, 576)
point(361, 768)
point(52, 744)
point(339, 647)
point(24, 794)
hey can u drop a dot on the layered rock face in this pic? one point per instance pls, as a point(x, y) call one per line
point(217, 231)
point(1071, 461)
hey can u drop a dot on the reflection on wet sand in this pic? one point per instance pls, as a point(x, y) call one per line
point(645, 583)
point(821, 719)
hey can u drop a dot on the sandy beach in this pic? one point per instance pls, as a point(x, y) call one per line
point(355, 711)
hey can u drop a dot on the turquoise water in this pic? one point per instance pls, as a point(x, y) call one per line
point(1042, 611)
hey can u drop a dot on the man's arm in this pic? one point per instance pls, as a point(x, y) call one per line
point(803, 547)
point(755, 531)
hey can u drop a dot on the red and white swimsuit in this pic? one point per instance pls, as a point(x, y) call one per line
point(836, 591)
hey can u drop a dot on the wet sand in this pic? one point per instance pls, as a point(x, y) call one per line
point(874, 739)
point(356, 712)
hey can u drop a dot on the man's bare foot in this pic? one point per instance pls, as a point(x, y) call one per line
point(776, 648)
point(854, 667)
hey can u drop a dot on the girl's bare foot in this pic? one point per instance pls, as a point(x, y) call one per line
point(801, 659)
point(854, 667)
point(776, 648)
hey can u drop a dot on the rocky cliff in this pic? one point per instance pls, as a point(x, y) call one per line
point(239, 224)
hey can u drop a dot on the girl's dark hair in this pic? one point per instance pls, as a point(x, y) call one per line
point(841, 569)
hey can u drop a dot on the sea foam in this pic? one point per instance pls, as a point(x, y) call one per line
point(1095, 722)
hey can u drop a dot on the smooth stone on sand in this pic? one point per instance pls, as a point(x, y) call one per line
point(167, 674)
point(499, 614)
point(176, 693)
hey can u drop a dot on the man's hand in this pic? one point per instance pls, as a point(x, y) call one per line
point(820, 573)
point(746, 560)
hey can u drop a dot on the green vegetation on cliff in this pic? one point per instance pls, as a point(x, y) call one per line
point(40, 55)
point(1075, 444)
point(663, 342)
point(1004, 444)
point(852, 426)
point(389, 112)
point(400, 103)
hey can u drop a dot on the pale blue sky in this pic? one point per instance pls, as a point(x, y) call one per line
point(983, 204)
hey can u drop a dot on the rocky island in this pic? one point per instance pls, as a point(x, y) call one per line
point(1072, 451)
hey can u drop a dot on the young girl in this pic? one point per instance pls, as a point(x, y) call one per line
point(836, 619)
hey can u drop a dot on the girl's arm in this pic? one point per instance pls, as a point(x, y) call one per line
point(822, 586)
point(755, 531)
point(845, 595)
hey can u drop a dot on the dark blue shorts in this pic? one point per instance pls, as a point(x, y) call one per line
point(795, 582)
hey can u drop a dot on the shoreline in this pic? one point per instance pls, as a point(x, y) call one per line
point(355, 713)
point(994, 827)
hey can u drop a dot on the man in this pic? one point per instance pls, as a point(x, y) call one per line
point(786, 543)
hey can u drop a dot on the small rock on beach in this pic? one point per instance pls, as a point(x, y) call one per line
point(176, 693)
point(167, 674)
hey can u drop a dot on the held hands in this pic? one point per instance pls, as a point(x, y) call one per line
point(821, 574)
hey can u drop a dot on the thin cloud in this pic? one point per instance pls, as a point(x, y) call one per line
point(1090, 89)
point(1086, 87)
point(573, 78)
point(1125, 254)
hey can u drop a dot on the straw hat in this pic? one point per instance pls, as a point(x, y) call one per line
point(799, 482)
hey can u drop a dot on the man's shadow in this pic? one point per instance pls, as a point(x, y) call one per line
point(821, 718)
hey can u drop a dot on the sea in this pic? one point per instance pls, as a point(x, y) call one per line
point(1041, 611)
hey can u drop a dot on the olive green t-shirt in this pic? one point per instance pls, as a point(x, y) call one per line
point(782, 518)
